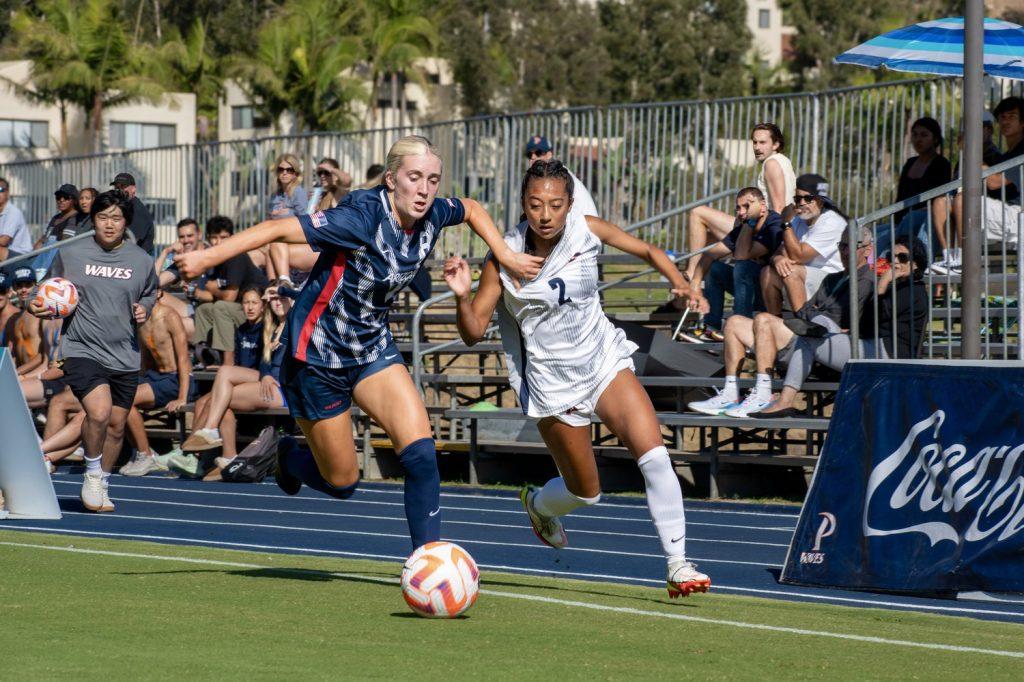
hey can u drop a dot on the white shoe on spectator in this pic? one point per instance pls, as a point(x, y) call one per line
point(750, 404)
point(713, 406)
point(184, 463)
point(140, 465)
point(162, 461)
point(94, 494)
point(77, 455)
point(50, 466)
point(203, 439)
point(223, 462)
point(940, 267)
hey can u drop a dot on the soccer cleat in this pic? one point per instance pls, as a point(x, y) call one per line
point(684, 579)
point(140, 465)
point(713, 406)
point(94, 494)
point(548, 530)
point(285, 481)
point(749, 405)
point(202, 440)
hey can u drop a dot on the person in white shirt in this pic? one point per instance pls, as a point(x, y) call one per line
point(776, 179)
point(539, 149)
point(14, 236)
point(811, 230)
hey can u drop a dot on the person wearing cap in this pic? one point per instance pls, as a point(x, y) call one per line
point(539, 149)
point(7, 307)
point(811, 229)
point(14, 235)
point(142, 221)
point(25, 335)
point(64, 222)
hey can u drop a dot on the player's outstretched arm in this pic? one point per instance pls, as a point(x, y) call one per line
point(473, 313)
point(519, 265)
point(195, 263)
point(613, 235)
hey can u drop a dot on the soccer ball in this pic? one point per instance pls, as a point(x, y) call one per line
point(58, 295)
point(440, 580)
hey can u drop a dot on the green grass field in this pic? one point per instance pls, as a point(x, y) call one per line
point(131, 610)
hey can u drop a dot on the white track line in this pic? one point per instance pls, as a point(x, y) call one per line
point(405, 536)
point(775, 594)
point(401, 519)
point(565, 602)
point(578, 516)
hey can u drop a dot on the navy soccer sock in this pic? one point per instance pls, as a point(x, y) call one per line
point(422, 492)
point(301, 464)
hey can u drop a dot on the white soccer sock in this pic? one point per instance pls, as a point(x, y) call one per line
point(731, 392)
point(554, 499)
point(665, 501)
point(763, 387)
point(92, 464)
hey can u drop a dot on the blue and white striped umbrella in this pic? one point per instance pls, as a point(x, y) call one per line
point(938, 47)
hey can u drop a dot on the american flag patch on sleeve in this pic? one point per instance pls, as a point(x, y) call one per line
point(318, 219)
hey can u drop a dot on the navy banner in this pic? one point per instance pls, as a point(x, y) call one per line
point(920, 484)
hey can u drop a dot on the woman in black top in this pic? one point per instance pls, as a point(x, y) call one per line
point(928, 170)
point(86, 196)
point(908, 313)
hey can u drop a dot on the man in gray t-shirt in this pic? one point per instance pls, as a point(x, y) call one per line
point(116, 292)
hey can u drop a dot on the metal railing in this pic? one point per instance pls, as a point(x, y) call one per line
point(637, 159)
point(1002, 283)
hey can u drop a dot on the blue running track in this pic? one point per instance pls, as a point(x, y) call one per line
point(740, 546)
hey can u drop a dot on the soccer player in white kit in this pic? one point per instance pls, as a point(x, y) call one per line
point(568, 362)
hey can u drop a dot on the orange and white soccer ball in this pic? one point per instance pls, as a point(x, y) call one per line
point(58, 295)
point(440, 580)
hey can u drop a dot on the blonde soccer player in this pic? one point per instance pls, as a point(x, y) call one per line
point(567, 362)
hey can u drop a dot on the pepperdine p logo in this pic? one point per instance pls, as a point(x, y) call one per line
point(108, 271)
point(918, 491)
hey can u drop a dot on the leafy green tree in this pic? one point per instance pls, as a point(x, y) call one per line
point(81, 54)
point(189, 65)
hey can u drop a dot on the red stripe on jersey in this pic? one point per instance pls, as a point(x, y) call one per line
point(337, 272)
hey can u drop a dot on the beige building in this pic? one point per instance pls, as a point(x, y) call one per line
point(770, 36)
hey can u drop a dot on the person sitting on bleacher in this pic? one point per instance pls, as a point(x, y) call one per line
point(769, 336)
point(811, 230)
point(166, 381)
point(755, 236)
point(235, 388)
point(62, 435)
point(39, 387)
point(834, 348)
point(24, 330)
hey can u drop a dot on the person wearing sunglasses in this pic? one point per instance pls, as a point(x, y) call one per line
point(332, 184)
point(811, 229)
point(289, 199)
point(14, 235)
point(539, 149)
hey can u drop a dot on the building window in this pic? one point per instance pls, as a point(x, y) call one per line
point(247, 117)
point(24, 134)
point(764, 18)
point(141, 135)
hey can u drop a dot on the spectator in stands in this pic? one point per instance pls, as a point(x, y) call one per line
point(1001, 204)
point(769, 336)
point(25, 330)
point(926, 171)
point(7, 307)
point(539, 149)
point(62, 435)
point(332, 186)
point(64, 223)
point(86, 196)
point(14, 235)
point(235, 388)
point(188, 240)
point(756, 235)
point(40, 385)
point(776, 180)
point(218, 311)
point(811, 230)
point(374, 176)
point(142, 221)
point(166, 381)
point(834, 348)
point(289, 198)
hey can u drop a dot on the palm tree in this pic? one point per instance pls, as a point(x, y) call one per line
point(397, 33)
point(83, 51)
point(303, 65)
point(188, 65)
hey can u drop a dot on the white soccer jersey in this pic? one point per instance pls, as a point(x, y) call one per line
point(557, 339)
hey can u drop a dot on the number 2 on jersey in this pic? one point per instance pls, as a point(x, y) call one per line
point(559, 283)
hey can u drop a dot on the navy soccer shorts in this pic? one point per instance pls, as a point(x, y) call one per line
point(316, 393)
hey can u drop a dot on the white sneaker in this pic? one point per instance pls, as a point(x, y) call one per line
point(713, 406)
point(749, 405)
point(185, 463)
point(94, 494)
point(684, 579)
point(77, 455)
point(548, 530)
point(163, 461)
point(223, 462)
point(202, 440)
point(140, 465)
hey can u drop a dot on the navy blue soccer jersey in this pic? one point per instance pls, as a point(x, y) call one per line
point(340, 318)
